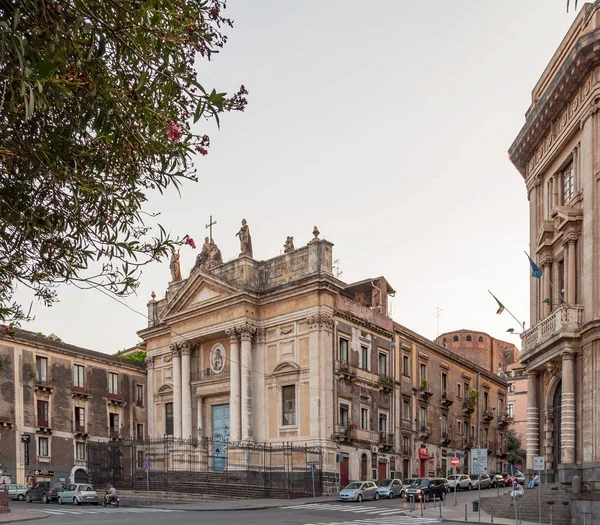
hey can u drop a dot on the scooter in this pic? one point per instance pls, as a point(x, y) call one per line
point(114, 502)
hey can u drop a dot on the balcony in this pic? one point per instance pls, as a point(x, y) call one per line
point(367, 436)
point(208, 374)
point(446, 399)
point(407, 425)
point(468, 407)
point(446, 438)
point(42, 385)
point(345, 372)
point(79, 430)
point(386, 383)
point(406, 451)
point(501, 450)
point(488, 415)
point(115, 399)
point(344, 433)
point(79, 391)
point(386, 440)
point(43, 426)
point(424, 392)
point(563, 322)
point(424, 432)
point(113, 434)
point(504, 420)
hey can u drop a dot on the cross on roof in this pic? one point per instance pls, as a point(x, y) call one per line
point(210, 224)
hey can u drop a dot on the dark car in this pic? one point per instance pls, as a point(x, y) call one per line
point(44, 491)
point(427, 489)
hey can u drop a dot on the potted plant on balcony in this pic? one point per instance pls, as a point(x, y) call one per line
point(424, 385)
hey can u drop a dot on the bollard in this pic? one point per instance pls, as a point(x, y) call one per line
point(492, 513)
point(465, 512)
point(422, 507)
point(520, 515)
point(550, 514)
point(584, 516)
point(441, 509)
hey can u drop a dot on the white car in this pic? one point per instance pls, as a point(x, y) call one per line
point(358, 491)
point(460, 482)
point(78, 493)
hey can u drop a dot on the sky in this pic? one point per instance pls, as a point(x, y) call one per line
point(386, 125)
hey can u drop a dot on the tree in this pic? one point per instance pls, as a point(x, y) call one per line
point(97, 98)
point(516, 455)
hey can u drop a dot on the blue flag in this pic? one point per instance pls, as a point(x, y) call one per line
point(535, 269)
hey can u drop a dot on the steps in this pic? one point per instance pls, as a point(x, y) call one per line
point(552, 496)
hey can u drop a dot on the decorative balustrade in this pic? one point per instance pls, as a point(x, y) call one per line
point(565, 320)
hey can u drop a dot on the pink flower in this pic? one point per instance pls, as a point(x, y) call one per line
point(173, 131)
point(190, 242)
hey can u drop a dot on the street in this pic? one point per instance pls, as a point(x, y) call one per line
point(386, 512)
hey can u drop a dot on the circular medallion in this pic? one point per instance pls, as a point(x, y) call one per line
point(217, 358)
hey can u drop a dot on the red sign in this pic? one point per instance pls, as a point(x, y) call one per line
point(423, 453)
point(454, 462)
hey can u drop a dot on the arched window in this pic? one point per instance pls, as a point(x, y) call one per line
point(455, 338)
point(444, 342)
point(481, 339)
point(469, 338)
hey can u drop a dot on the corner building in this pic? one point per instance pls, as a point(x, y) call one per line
point(557, 152)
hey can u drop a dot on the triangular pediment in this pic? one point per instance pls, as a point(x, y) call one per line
point(199, 290)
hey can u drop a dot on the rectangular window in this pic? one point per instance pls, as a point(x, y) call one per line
point(444, 424)
point(288, 404)
point(459, 427)
point(466, 389)
point(364, 419)
point(501, 405)
point(140, 431)
point(78, 376)
point(343, 350)
point(444, 383)
point(383, 422)
point(43, 447)
point(383, 364)
point(458, 390)
point(405, 366)
point(140, 459)
point(510, 409)
point(41, 369)
point(364, 357)
point(486, 397)
point(42, 414)
point(169, 419)
point(114, 425)
point(485, 438)
point(139, 395)
point(422, 417)
point(406, 409)
point(568, 183)
point(113, 383)
point(405, 445)
point(472, 431)
point(79, 419)
point(344, 415)
point(423, 372)
point(80, 451)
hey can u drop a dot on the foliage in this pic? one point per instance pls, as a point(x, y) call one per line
point(516, 454)
point(138, 357)
point(424, 385)
point(96, 102)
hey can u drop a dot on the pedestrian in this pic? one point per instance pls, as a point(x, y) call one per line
point(535, 481)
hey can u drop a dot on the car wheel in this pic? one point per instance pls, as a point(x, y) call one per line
point(470, 487)
point(426, 497)
point(59, 500)
point(45, 498)
point(20, 497)
point(359, 498)
point(391, 496)
point(75, 501)
point(376, 497)
point(28, 498)
point(443, 496)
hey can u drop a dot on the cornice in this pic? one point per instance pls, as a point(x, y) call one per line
point(557, 97)
point(361, 322)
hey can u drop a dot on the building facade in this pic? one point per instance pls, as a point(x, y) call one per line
point(516, 377)
point(557, 153)
point(281, 351)
point(56, 399)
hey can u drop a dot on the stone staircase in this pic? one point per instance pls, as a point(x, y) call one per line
point(553, 496)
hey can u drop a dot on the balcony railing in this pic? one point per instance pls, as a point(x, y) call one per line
point(345, 370)
point(42, 423)
point(447, 399)
point(407, 425)
point(406, 451)
point(564, 322)
point(365, 435)
point(504, 420)
point(208, 375)
point(446, 437)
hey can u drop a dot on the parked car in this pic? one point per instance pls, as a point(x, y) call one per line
point(78, 493)
point(16, 491)
point(389, 488)
point(497, 481)
point(482, 480)
point(426, 489)
point(359, 490)
point(44, 491)
point(460, 482)
point(407, 483)
point(520, 477)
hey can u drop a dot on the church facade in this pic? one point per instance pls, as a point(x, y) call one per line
point(557, 153)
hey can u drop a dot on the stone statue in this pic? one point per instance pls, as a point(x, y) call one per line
point(289, 245)
point(209, 256)
point(245, 239)
point(175, 266)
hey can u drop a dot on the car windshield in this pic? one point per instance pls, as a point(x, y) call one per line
point(453, 477)
point(353, 486)
point(385, 483)
point(408, 481)
point(420, 483)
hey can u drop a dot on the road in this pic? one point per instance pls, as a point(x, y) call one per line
point(384, 512)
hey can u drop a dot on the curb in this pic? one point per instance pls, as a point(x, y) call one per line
point(35, 517)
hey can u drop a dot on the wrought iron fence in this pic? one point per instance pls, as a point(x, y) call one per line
point(208, 466)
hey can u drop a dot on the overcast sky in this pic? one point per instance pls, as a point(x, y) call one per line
point(385, 124)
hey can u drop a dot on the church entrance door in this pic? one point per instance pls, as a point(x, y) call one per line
point(220, 436)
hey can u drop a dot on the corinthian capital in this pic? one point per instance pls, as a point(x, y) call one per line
point(246, 331)
point(186, 347)
point(175, 349)
point(232, 334)
point(149, 362)
point(320, 322)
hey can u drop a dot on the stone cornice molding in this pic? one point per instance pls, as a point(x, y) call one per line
point(320, 322)
point(570, 239)
point(366, 324)
point(564, 94)
point(546, 261)
point(175, 349)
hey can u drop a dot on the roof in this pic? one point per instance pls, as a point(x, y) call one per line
point(369, 283)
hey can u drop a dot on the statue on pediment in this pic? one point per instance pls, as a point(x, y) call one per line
point(289, 245)
point(175, 266)
point(245, 239)
point(209, 256)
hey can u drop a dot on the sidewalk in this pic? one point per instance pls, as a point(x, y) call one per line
point(20, 515)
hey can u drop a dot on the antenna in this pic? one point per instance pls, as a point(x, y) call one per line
point(438, 312)
point(336, 269)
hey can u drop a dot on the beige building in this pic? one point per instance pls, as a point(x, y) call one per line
point(57, 401)
point(557, 153)
point(516, 377)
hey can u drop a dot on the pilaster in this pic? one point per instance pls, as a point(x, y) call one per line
point(567, 434)
point(150, 397)
point(234, 385)
point(186, 393)
point(176, 351)
point(533, 422)
point(246, 332)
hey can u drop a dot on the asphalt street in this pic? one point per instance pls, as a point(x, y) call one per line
point(384, 512)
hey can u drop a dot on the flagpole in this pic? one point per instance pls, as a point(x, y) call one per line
point(549, 281)
point(512, 315)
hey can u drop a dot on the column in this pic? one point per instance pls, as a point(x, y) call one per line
point(546, 293)
point(234, 386)
point(186, 393)
point(150, 397)
point(176, 349)
point(533, 422)
point(246, 332)
point(571, 277)
point(567, 435)
point(199, 409)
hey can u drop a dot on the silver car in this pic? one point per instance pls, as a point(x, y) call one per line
point(78, 493)
point(389, 488)
point(460, 482)
point(407, 483)
point(359, 490)
point(16, 491)
point(484, 480)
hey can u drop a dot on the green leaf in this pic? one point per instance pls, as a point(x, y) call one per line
point(16, 18)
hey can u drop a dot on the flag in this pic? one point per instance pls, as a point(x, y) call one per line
point(535, 269)
point(500, 305)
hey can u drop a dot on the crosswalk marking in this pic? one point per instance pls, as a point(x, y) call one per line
point(348, 508)
point(78, 511)
point(395, 520)
point(372, 515)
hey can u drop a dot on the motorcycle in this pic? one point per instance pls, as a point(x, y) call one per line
point(114, 501)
